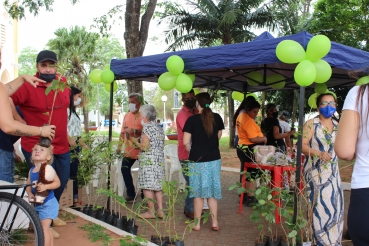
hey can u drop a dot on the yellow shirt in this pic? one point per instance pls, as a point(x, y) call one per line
point(247, 128)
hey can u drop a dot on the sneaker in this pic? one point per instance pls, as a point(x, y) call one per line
point(55, 234)
point(58, 222)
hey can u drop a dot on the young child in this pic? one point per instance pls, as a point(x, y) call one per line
point(48, 210)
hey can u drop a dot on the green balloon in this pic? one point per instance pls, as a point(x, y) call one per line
point(252, 95)
point(238, 96)
point(175, 65)
point(115, 86)
point(318, 47)
point(320, 88)
point(312, 100)
point(290, 52)
point(363, 80)
point(167, 81)
point(95, 76)
point(107, 76)
point(323, 71)
point(332, 93)
point(305, 73)
point(192, 77)
point(196, 91)
point(274, 78)
point(183, 83)
point(107, 67)
point(254, 78)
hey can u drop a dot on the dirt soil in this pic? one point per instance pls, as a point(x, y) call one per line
point(73, 235)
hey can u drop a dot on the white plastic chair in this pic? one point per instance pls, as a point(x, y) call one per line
point(173, 165)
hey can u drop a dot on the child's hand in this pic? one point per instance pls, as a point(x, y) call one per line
point(41, 187)
point(31, 198)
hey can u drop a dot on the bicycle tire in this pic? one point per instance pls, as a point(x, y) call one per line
point(13, 231)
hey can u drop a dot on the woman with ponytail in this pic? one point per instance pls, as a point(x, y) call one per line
point(201, 139)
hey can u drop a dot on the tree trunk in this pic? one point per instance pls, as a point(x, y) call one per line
point(225, 106)
point(85, 118)
point(135, 36)
point(231, 114)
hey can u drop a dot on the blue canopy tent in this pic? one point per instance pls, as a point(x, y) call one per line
point(226, 67)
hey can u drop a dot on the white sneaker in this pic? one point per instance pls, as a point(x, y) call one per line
point(205, 207)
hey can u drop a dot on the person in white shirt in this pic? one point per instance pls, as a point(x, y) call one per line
point(283, 123)
point(352, 143)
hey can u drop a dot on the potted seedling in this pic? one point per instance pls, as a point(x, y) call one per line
point(56, 86)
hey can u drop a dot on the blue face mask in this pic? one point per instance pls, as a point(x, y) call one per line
point(328, 111)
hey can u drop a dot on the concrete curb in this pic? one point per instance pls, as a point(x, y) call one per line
point(345, 185)
point(103, 224)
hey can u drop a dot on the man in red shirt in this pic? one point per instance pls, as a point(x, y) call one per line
point(36, 107)
point(188, 109)
point(131, 128)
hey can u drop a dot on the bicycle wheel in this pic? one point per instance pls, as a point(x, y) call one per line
point(19, 223)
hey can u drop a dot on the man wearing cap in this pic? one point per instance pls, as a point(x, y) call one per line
point(36, 107)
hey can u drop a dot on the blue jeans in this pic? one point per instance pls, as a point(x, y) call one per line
point(6, 166)
point(61, 165)
point(127, 163)
point(189, 200)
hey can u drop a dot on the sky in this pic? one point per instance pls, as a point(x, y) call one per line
point(35, 31)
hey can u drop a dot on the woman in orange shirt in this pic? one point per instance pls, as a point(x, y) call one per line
point(250, 135)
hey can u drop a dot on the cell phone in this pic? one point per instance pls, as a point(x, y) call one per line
point(127, 135)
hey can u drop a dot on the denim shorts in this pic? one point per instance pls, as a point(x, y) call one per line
point(48, 210)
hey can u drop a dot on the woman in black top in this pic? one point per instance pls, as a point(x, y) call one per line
point(201, 139)
point(270, 127)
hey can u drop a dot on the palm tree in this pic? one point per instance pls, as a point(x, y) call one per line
point(210, 22)
point(76, 49)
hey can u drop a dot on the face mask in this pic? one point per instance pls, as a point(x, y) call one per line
point(328, 111)
point(76, 103)
point(47, 77)
point(132, 107)
point(190, 103)
point(275, 114)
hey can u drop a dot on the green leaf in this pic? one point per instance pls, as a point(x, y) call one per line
point(258, 191)
point(47, 91)
point(232, 187)
point(292, 234)
point(261, 202)
point(269, 196)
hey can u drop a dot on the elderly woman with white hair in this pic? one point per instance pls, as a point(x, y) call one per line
point(151, 161)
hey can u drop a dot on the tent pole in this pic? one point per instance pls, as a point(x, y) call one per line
point(110, 136)
point(299, 151)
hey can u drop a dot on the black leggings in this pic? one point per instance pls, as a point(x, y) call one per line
point(247, 157)
point(358, 216)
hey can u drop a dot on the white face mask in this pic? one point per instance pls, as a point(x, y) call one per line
point(132, 107)
point(76, 103)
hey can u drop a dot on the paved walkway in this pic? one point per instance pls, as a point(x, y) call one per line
point(235, 229)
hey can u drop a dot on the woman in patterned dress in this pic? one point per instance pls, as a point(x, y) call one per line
point(201, 139)
point(322, 175)
point(151, 161)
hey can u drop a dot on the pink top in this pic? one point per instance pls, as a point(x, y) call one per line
point(182, 116)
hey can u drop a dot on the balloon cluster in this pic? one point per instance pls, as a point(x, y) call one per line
point(106, 76)
point(321, 89)
point(311, 68)
point(239, 96)
point(175, 76)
